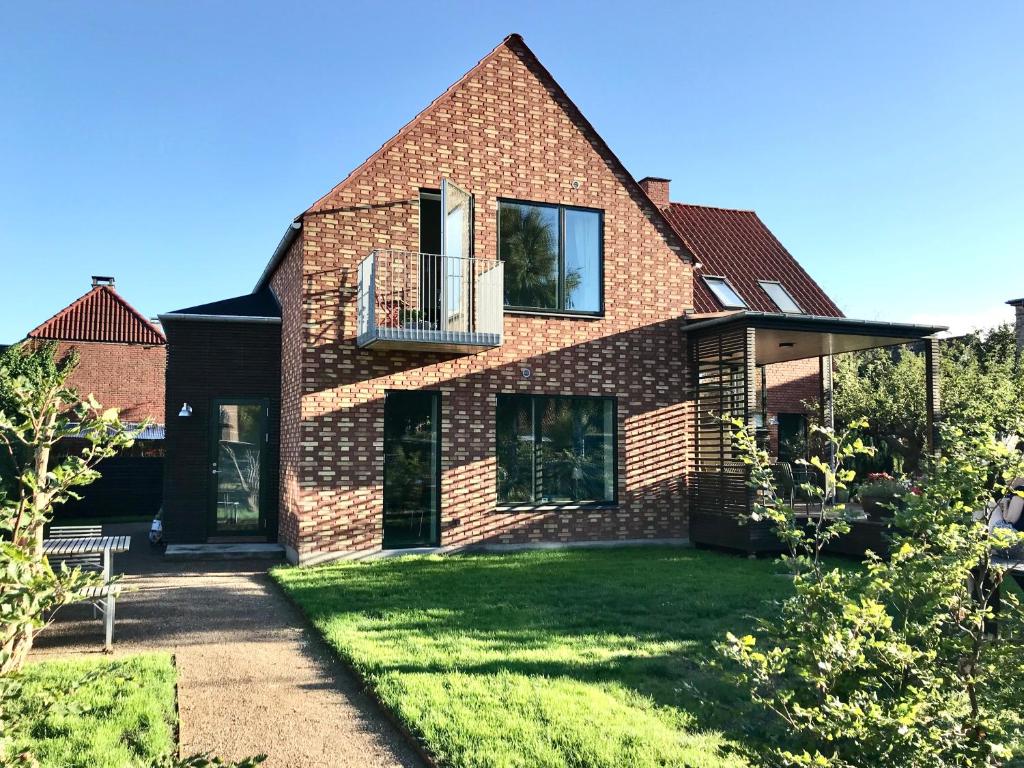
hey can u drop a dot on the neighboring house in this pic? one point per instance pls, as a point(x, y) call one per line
point(121, 362)
point(480, 337)
point(742, 265)
point(121, 354)
point(1018, 314)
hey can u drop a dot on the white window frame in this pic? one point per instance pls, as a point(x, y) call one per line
point(798, 311)
point(707, 282)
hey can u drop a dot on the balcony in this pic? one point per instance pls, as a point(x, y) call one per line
point(426, 301)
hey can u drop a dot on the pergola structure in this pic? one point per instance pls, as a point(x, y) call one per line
point(726, 354)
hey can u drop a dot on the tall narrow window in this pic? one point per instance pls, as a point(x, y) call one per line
point(552, 256)
point(556, 449)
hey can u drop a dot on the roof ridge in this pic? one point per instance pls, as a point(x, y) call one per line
point(415, 120)
point(515, 43)
point(715, 207)
point(86, 298)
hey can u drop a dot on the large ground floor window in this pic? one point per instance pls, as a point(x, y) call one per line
point(556, 449)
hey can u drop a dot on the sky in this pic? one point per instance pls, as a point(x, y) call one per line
point(170, 144)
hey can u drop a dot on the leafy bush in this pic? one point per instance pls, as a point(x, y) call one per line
point(895, 664)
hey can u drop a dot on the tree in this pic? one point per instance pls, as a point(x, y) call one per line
point(37, 410)
point(982, 391)
point(893, 664)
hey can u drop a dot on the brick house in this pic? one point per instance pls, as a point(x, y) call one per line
point(121, 361)
point(1018, 320)
point(477, 338)
point(744, 266)
point(121, 354)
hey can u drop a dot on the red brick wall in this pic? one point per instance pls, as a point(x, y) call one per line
point(790, 385)
point(129, 377)
point(502, 132)
point(288, 285)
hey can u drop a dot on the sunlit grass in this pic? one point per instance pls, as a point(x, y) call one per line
point(96, 714)
point(566, 658)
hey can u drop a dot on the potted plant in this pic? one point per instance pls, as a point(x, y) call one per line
point(880, 494)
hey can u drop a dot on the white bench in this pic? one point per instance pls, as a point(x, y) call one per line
point(85, 547)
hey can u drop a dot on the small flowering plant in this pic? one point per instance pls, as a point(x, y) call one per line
point(882, 485)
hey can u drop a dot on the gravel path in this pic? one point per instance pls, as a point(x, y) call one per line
point(251, 677)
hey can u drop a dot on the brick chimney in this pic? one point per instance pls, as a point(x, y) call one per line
point(656, 189)
point(1018, 308)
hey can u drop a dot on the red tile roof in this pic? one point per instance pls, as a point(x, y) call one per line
point(100, 315)
point(738, 246)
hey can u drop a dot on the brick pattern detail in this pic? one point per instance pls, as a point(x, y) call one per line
point(287, 284)
point(505, 131)
point(790, 386)
point(129, 377)
point(656, 189)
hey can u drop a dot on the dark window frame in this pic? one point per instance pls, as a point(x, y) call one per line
point(560, 310)
point(213, 436)
point(534, 398)
point(438, 447)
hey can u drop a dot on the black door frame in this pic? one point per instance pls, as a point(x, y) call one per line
point(435, 396)
point(213, 443)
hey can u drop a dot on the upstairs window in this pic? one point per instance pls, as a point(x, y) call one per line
point(780, 296)
point(724, 292)
point(553, 257)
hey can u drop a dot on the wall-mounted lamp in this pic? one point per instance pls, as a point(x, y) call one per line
point(698, 265)
point(186, 410)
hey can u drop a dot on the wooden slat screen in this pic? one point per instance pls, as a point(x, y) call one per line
point(724, 387)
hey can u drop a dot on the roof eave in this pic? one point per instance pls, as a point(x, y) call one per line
point(173, 316)
point(820, 323)
point(279, 253)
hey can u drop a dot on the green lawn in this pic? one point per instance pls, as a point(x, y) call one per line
point(556, 658)
point(96, 714)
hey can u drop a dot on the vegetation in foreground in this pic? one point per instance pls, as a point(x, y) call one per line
point(581, 658)
point(93, 714)
point(898, 664)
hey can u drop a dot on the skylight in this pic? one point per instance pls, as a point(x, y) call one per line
point(780, 296)
point(724, 292)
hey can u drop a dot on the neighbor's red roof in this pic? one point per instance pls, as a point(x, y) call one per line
point(737, 245)
point(100, 315)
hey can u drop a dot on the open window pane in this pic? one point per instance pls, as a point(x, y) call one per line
point(528, 244)
point(556, 449)
point(582, 260)
point(724, 292)
point(777, 293)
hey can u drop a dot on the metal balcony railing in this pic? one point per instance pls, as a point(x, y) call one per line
point(410, 300)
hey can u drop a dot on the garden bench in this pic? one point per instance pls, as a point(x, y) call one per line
point(70, 548)
point(87, 561)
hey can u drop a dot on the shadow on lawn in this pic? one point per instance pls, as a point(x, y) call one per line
point(646, 620)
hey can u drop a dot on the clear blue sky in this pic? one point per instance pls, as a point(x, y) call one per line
point(170, 144)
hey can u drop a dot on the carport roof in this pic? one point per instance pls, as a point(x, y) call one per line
point(783, 337)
